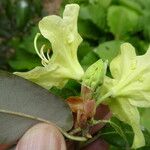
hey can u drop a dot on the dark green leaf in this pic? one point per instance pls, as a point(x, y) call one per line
point(108, 132)
point(37, 6)
point(112, 137)
point(28, 41)
point(22, 13)
point(23, 104)
point(146, 25)
point(103, 3)
point(24, 60)
point(144, 148)
point(83, 49)
point(72, 88)
point(88, 30)
point(108, 50)
point(89, 59)
point(96, 13)
point(112, 147)
point(140, 45)
point(74, 1)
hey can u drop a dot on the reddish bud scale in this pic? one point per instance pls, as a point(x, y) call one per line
point(83, 110)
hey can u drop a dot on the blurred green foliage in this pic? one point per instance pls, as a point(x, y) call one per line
point(103, 25)
point(17, 30)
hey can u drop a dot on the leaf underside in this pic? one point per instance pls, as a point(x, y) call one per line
point(24, 104)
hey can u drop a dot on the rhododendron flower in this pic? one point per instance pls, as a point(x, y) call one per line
point(65, 39)
point(129, 88)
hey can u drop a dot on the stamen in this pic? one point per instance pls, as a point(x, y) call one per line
point(48, 52)
point(44, 60)
point(42, 54)
point(43, 63)
point(35, 45)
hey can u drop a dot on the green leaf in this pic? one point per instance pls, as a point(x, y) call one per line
point(65, 2)
point(96, 13)
point(127, 113)
point(86, 30)
point(27, 44)
point(140, 45)
point(144, 118)
point(9, 7)
point(19, 61)
point(109, 131)
point(144, 148)
point(103, 3)
point(72, 88)
point(112, 147)
point(22, 13)
point(23, 60)
point(23, 104)
point(144, 4)
point(146, 26)
point(108, 50)
point(83, 49)
point(37, 4)
point(122, 20)
point(132, 5)
point(89, 59)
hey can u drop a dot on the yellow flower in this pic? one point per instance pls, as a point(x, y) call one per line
point(128, 89)
point(65, 39)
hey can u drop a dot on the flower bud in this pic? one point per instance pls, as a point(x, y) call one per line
point(94, 75)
